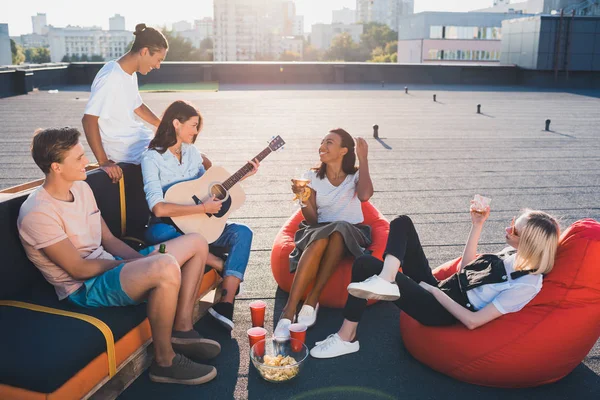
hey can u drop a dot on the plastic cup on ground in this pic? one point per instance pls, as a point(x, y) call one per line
point(255, 335)
point(297, 331)
point(257, 312)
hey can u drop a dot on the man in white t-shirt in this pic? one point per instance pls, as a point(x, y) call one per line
point(110, 124)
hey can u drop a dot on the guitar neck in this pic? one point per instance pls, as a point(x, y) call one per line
point(235, 178)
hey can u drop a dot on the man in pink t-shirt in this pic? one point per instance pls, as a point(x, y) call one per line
point(65, 236)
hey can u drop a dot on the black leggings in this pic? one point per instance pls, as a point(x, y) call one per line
point(403, 243)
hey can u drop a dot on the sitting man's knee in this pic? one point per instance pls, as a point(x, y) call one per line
point(167, 268)
point(336, 236)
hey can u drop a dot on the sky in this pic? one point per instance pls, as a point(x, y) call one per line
point(61, 13)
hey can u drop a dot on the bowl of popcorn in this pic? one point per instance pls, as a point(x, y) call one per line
point(278, 361)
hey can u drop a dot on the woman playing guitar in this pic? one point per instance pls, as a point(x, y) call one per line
point(172, 158)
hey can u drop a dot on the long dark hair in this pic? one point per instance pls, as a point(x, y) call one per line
point(166, 136)
point(349, 160)
point(150, 38)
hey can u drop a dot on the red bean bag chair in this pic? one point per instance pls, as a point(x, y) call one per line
point(540, 344)
point(335, 293)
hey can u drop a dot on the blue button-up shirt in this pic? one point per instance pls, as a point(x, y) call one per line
point(161, 171)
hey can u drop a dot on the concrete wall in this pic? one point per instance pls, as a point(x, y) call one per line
point(14, 82)
point(531, 43)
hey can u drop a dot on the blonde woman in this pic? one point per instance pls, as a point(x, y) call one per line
point(484, 288)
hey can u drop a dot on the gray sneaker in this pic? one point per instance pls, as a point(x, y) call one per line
point(192, 345)
point(183, 371)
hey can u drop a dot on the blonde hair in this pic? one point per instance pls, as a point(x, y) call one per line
point(538, 242)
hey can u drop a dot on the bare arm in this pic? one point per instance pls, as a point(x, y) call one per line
point(116, 246)
point(164, 209)
point(206, 161)
point(92, 135)
point(310, 211)
point(470, 251)
point(145, 113)
point(364, 188)
point(470, 319)
point(66, 256)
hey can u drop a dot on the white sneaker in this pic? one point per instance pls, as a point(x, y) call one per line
point(308, 315)
point(282, 330)
point(334, 346)
point(375, 288)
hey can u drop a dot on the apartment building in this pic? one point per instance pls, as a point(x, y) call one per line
point(386, 12)
point(78, 41)
point(245, 30)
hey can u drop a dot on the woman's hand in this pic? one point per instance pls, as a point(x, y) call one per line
point(362, 149)
point(212, 206)
point(479, 217)
point(255, 164)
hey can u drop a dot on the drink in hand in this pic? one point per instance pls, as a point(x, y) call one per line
point(303, 195)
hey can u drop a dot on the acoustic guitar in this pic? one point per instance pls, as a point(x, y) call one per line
point(223, 186)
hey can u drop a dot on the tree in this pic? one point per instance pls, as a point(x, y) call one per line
point(311, 54)
point(84, 58)
point(343, 48)
point(66, 58)
point(97, 57)
point(207, 44)
point(180, 49)
point(376, 35)
point(387, 55)
point(17, 53)
point(290, 56)
point(37, 55)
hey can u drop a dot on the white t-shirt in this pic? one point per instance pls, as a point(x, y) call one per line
point(114, 98)
point(509, 296)
point(336, 203)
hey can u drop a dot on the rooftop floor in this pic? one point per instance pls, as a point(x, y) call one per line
point(431, 159)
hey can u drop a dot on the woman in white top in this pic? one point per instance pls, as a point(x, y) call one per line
point(484, 288)
point(332, 222)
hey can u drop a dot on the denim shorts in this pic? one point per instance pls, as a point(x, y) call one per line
point(105, 290)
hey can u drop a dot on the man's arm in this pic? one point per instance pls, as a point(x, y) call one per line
point(92, 134)
point(116, 246)
point(145, 113)
point(66, 256)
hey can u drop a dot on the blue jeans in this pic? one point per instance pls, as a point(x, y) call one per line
point(236, 238)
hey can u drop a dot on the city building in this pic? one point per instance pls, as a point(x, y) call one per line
point(322, 34)
point(89, 42)
point(434, 37)
point(31, 40)
point(292, 44)
point(549, 42)
point(298, 28)
point(5, 52)
point(116, 23)
point(344, 16)
point(581, 7)
point(40, 24)
point(181, 26)
point(245, 30)
point(386, 12)
point(203, 29)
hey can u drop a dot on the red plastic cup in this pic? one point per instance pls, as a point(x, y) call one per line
point(257, 312)
point(255, 335)
point(297, 331)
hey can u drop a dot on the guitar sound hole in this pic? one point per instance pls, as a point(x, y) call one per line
point(219, 192)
